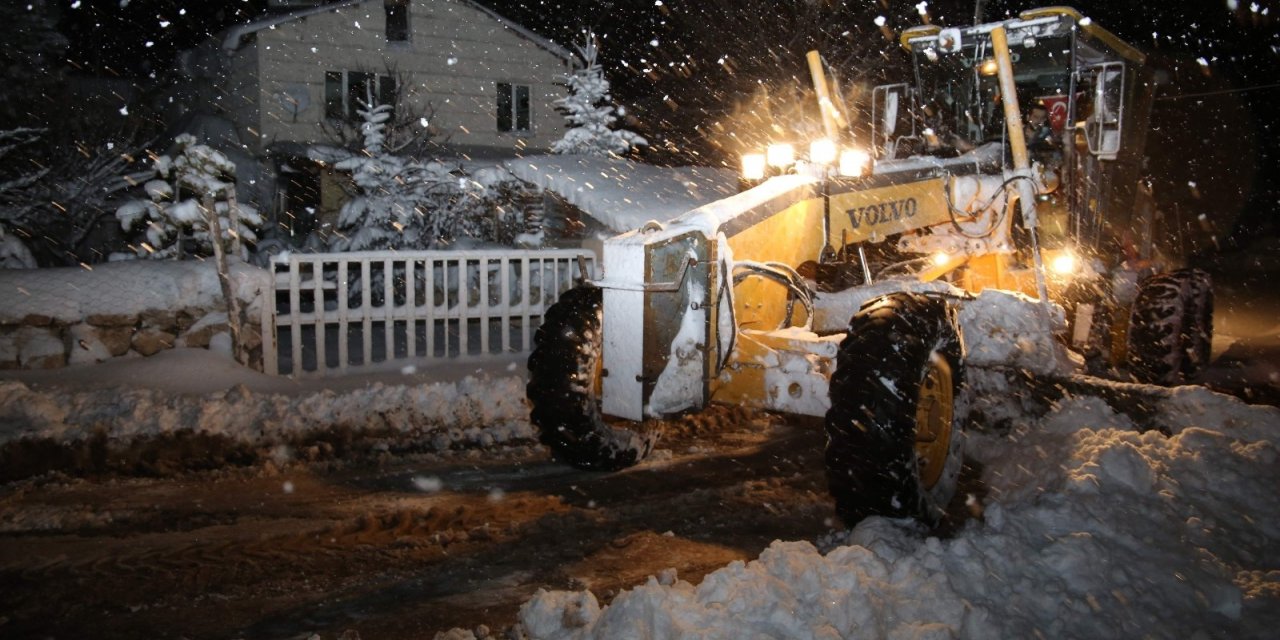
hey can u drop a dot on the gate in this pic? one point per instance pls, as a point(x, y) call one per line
point(336, 312)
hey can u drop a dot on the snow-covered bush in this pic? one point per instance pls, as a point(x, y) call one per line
point(400, 202)
point(590, 112)
point(14, 253)
point(175, 208)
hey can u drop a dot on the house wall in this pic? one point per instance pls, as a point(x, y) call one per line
point(455, 58)
point(241, 100)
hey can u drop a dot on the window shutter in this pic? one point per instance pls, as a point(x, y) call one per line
point(522, 108)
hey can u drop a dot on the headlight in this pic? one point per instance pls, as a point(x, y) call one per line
point(781, 155)
point(1064, 264)
point(854, 162)
point(753, 166)
point(822, 151)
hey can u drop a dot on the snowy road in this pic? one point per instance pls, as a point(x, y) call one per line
point(401, 551)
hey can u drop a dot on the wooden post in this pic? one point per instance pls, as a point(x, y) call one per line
point(224, 277)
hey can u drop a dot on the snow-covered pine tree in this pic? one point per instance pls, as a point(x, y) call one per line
point(590, 112)
point(399, 203)
point(173, 208)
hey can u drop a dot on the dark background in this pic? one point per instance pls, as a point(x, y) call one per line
point(680, 64)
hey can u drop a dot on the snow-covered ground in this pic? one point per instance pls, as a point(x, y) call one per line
point(195, 391)
point(1087, 529)
point(1083, 526)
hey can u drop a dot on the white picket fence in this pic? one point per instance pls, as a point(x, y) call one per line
point(339, 312)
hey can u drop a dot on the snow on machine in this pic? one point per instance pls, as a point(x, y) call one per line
point(836, 285)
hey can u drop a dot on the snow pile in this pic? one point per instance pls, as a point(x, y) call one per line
point(1009, 329)
point(472, 411)
point(1089, 529)
point(69, 295)
point(621, 194)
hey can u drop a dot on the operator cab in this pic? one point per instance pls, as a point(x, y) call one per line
point(1095, 94)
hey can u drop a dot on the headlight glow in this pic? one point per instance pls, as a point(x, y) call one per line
point(941, 258)
point(781, 155)
point(753, 166)
point(854, 162)
point(1064, 264)
point(822, 151)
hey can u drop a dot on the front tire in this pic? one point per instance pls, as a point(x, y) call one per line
point(1171, 327)
point(565, 377)
point(895, 434)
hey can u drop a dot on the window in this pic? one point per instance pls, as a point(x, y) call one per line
point(397, 20)
point(346, 91)
point(513, 107)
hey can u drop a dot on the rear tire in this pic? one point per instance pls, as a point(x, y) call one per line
point(1171, 327)
point(1197, 327)
point(564, 382)
point(895, 436)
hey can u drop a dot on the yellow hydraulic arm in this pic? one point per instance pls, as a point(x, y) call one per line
point(832, 120)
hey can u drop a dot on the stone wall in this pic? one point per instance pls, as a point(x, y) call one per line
point(53, 318)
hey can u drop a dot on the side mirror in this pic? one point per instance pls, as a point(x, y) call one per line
point(1103, 127)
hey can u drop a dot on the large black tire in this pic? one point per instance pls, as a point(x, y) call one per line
point(1197, 325)
point(563, 389)
point(898, 379)
point(1171, 327)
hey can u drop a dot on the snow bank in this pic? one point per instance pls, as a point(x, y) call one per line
point(621, 194)
point(69, 295)
point(473, 410)
point(1009, 329)
point(1089, 529)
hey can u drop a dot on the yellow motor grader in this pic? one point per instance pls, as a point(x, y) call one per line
point(832, 286)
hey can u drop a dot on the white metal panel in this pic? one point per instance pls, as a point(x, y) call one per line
point(624, 335)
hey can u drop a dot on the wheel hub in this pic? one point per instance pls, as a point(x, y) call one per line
point(934, 413)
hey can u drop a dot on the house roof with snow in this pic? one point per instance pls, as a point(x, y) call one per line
point(235, 36)
point(621, 194)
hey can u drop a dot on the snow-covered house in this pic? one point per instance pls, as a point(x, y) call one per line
point(277, 85)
